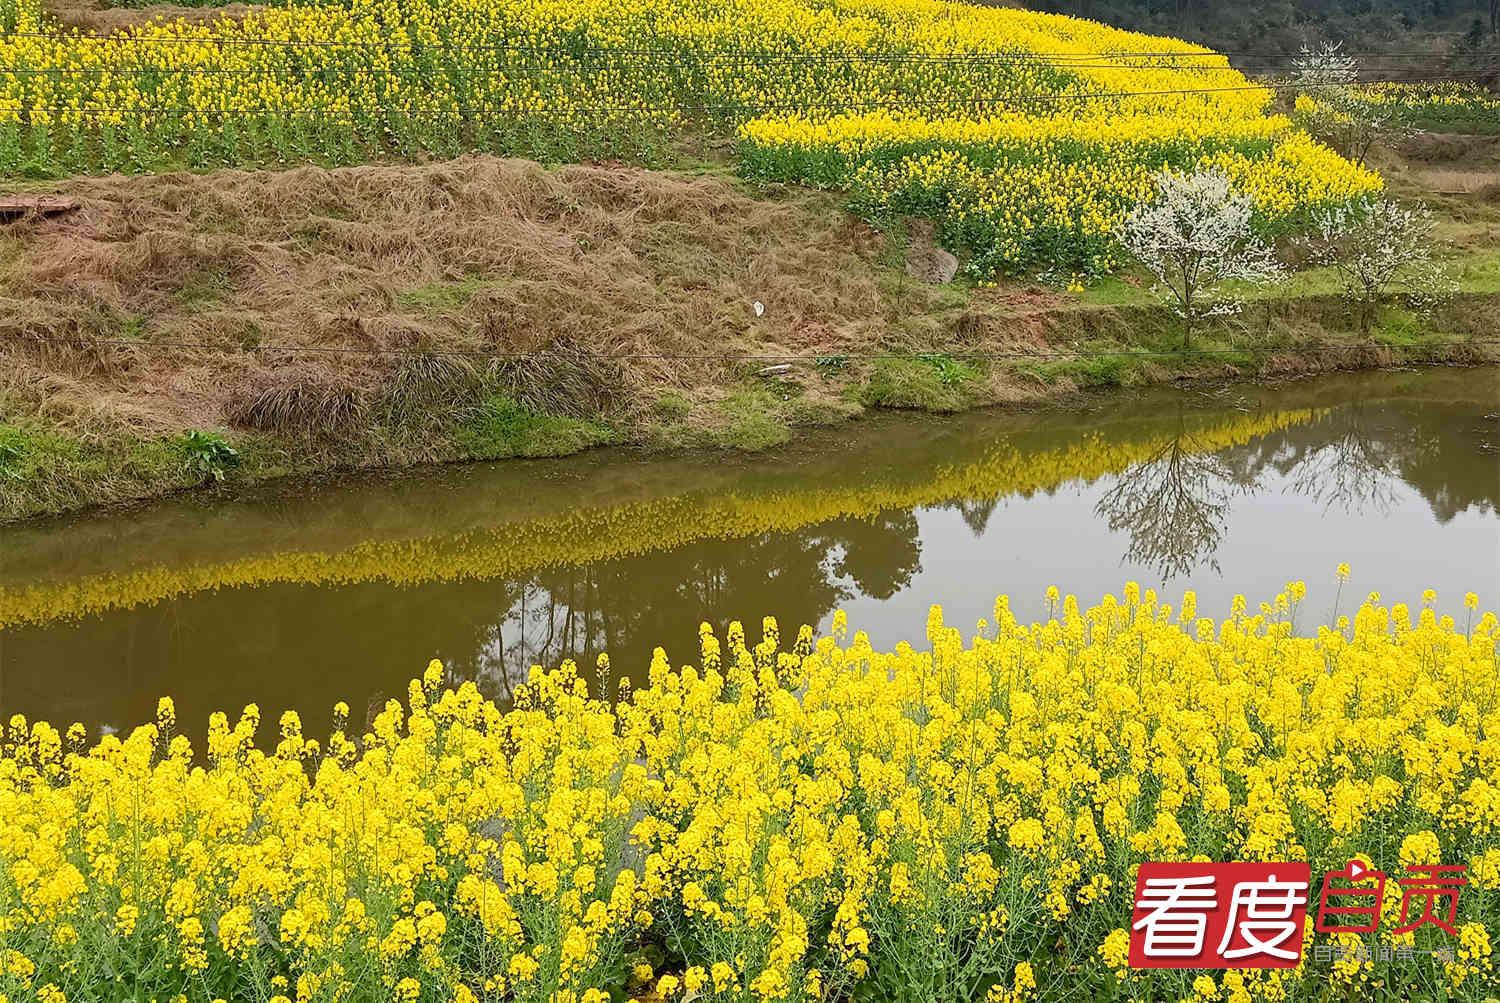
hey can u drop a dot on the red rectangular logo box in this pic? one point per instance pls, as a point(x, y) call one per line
point(1232, 915)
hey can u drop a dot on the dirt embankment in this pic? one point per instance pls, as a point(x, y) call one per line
point(487, 307)
point(183, 300)
point(98, 17)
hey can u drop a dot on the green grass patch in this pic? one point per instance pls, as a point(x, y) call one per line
point(1113, 290)
point(672, 405)
point(1398, 327)
point(28, 454)
point(1097, 371)
point(503, 428)
point(756, 416)
point(749, 419)
point(203, 287)
point(440, 297)
point(42, 470)
point(1477, 273)
point(929, 382)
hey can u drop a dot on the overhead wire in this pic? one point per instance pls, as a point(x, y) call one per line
point(724, 357)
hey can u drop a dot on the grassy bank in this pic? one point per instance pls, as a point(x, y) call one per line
point(181, 330)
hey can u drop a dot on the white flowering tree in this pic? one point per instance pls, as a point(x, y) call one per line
point(1329, 106)
point(1378, 249)
point(1325, 66)
point(1195, 236)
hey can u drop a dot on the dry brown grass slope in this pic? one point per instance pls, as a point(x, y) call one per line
point(368, 316)
point(102, 17)
point(478, 255)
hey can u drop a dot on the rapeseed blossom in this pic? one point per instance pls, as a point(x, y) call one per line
point(1027, 136)
point(1449, 103)
point(959, 820)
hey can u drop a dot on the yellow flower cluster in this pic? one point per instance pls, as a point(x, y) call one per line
point(1448, 103)
point(1020, 190)
point(21, 15)
point(475, 72)
point(815, 90)
point(959, 820)
point(1045, 183)
point(1299, 173)
point(587, 534)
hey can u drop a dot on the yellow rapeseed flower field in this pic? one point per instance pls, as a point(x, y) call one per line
point(1026, 135)
point(1448, 103)
point(956, 820)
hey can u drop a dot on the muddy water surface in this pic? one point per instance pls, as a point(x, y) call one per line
point(301, 597)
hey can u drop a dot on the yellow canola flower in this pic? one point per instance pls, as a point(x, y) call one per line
point(796, 824)
point(1068, 116)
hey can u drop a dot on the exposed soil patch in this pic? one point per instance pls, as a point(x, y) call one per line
point(97, 18)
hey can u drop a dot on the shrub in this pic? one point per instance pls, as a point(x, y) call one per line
point(206, 456)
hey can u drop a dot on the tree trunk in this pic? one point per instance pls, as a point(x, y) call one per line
point(1188, 289)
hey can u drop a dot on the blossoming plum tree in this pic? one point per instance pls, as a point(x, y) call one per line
point(1195, 236)
point(1376, 250)
point(1329, 103)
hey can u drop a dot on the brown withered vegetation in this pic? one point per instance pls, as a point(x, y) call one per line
point(100, 17)
point(1457, 173)
point(299, 301)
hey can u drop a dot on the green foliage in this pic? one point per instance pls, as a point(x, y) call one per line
point(928, 382)
point(206, 456)
point(1093, 372)
point(12, 451)
point(504, 428)
point(750, 420)
point(441, 297)
point(202, 287)
point(831, 365)
point(673, 405)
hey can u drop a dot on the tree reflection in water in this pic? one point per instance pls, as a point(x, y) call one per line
point(1173, 504)
point(629, 607)
point(1353, 470)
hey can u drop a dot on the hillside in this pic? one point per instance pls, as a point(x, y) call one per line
point(1460, 33)
point(324, 236)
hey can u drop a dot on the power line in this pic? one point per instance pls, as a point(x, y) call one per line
point(726, 357)
point(677, 51)
point(894, 104)
point(580, 50)
point(1213, 61)
point(269, 68)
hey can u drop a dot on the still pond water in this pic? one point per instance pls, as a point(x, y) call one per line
point(300, 598)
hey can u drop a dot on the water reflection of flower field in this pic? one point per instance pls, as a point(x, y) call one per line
point(958, 822)
point(582, 535)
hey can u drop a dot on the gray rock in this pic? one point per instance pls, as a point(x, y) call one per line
point(931, 264)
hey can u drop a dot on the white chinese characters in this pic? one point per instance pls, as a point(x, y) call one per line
point(1263, 918)
point(1268, 907)
point(1177, 915)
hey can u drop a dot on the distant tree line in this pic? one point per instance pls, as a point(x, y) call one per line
point(1461, 31)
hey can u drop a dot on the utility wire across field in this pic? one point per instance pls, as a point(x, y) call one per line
point(893, 104)
point(762, 54)
point(729, 357)
point(565, 62)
